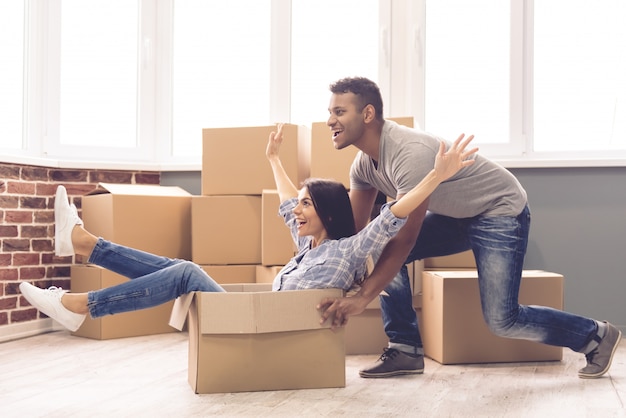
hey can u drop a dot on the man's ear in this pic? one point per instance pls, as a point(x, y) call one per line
point(369, 113)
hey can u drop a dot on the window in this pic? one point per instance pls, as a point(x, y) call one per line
point(95, 70)
point(12, 19)
point(321, 55)
point(221, 68)
point(527, 84)
point(579, 93)
point(98, 88)
point(531, 87)
point(468, 70)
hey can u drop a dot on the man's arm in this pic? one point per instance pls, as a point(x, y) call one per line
point(362, 202)
point(394, 255)
point(391, 260)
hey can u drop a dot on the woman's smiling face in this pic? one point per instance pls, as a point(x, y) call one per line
point(307, 219)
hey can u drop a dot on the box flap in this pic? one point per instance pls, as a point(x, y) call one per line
point(179, 311)
point(247, 287)
point(138, 190)
point(261, 312)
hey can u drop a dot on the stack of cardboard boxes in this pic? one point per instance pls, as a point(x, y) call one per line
point(251, 338)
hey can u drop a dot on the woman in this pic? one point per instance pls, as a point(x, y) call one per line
point(319, 215)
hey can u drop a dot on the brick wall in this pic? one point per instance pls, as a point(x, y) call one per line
point(27, 228)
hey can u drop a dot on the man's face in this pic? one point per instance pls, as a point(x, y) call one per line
point(345, 121)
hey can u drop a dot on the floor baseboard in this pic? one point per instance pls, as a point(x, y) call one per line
point(27, 329)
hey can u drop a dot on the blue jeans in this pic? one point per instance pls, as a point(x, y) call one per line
point(154, 279)
point(499, 246)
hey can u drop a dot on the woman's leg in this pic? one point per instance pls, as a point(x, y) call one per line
point(126, 261)
point(154, 279)
point(151, 290)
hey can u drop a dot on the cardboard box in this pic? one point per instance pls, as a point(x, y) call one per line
point(226, 229)
point(453, 328)
point(156, 219)
point(244, 340)
point(234, 163)
point(244, 273)
point(328, 162)
point(266, 274)
point(277, 246)
point(365, 333)
point(150, 321)
point(463, 260)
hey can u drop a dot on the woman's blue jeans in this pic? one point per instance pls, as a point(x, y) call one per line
point(154, 279)
point(499, 246)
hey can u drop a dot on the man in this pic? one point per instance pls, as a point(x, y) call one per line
point(483, 208)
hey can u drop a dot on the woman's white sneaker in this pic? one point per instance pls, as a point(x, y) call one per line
point(65, 218)
point(48, 301)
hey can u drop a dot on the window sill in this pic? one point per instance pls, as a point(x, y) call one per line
point(182, 165)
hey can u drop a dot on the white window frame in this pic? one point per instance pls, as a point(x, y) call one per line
point(145, 149)
point(401, 79)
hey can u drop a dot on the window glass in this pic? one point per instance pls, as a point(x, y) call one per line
point(467, 75)
point(12, 70)
point(579, 75)
point(98, 74)
point(221, 68)
point(331, 40)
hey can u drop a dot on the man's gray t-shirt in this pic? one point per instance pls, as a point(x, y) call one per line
point(407, 155)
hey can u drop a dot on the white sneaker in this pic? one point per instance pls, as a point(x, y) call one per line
point(48, 301)
point(65, 218)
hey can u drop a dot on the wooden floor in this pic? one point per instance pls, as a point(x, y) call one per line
point(58, 375)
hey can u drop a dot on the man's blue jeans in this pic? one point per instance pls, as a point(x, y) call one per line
point(154, 279)
point(499, 246)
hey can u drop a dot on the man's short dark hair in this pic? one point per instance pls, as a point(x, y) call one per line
point(366, 90)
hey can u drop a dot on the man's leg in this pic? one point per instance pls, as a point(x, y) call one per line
point(440, 235)
point(499, 244)
point(405, 354)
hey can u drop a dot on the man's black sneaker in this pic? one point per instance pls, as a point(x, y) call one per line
point(599, 360)
point(395, 363)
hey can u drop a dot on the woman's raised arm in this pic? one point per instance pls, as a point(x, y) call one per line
point(284, 185)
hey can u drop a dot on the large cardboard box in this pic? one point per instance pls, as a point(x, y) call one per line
point(365, 333)
point(453, 328)
point(326, 161)
point(277, 246)
point(156, 219)
point(267, 274)
point(244, 273)
point(462, 260)
point(226, 229)
point(233, 159)
point(85, 278)
point(250, 340)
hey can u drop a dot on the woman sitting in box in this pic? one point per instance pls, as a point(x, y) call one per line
point(330, 254)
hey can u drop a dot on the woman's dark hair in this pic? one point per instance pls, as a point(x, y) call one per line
point(366, 91)
point(332, 204)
